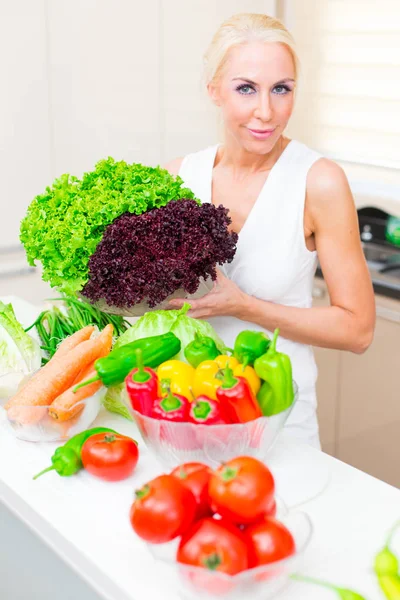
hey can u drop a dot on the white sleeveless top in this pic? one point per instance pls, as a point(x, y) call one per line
point(272, 262)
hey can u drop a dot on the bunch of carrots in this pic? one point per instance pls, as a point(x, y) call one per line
point(52, 386)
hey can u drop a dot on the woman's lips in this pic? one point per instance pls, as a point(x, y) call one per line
point(261, 134)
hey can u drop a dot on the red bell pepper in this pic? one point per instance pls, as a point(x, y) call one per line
point(238, 404)
point(142, 386)
point(205, 410)
point(173, 407)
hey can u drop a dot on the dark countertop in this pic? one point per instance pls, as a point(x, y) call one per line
point(384, 284)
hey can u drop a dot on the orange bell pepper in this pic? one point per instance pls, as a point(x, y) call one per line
point(240, 370)
point(250, 375)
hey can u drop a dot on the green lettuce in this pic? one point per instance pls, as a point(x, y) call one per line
point(115, 400)
point(63, 225)
point(20, 354)
point(158, 322)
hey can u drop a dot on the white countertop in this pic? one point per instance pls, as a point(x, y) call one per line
point(85, 521)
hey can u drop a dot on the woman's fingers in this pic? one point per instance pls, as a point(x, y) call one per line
point(176, 303)
point(179, 302)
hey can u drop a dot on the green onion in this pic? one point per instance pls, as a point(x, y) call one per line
point(53, 325)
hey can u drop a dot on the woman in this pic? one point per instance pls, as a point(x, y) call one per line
point(287, 203)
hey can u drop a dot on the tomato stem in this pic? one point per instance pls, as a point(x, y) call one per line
point(143, 492)
point(228, 474)
point(182, 473)
point(109, 438)
point(212, 561)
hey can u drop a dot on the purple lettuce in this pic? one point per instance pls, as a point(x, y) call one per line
point(147, 257)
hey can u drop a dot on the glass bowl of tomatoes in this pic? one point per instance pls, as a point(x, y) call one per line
point(174, 443)
point(258, 583)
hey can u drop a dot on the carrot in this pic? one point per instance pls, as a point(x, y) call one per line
point(73, 340)
point(60, 373)
point(69, 403)
point(26, 415)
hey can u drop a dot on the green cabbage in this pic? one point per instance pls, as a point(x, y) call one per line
point(158, 322)
point(114, 400)
point(20, 354)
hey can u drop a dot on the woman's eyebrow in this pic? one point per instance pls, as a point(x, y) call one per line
point(286, 80)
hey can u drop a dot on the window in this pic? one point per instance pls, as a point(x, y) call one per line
point(348, 104)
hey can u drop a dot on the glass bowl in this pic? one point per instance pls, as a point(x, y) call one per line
point(176, 443)
point(34, 423)
point(139, 309)
point(260, 583)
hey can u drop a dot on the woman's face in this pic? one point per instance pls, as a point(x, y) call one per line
point(256, 94)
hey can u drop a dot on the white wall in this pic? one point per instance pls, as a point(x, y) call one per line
point(86, 79)
point(25, 164)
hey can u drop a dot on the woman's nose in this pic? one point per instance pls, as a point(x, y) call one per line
point(263, 110)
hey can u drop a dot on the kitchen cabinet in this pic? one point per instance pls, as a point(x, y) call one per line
point(369, 399)
point(358, 397)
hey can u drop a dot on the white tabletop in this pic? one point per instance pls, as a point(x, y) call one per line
point(85, 521)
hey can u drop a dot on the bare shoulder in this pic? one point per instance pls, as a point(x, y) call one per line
point(328, 196)
point(174, 165)
point(326, 179)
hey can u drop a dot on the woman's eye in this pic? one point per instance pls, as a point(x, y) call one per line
point(245, 89)
point(281, 89)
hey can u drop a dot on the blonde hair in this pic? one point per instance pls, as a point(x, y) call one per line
point(241, 29)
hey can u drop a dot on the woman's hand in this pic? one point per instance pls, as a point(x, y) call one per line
point(225, 299)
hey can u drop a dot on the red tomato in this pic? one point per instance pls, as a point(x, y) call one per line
point(242, 490)
point(196, 476)
point(216, 545)
point(269, 541)
point(271, 513)
point(110, 456)
point(163, 510)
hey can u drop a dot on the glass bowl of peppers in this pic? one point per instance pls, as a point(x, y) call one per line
point(177, 442)
point(215, 409)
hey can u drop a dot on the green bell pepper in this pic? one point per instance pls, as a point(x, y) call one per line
point(249, 345)
point(275, 369)
point(386, 567)
point(66, 460)
point(201, 348)
point(113, 368)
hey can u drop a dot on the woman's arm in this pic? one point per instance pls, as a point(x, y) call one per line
point(349, 322)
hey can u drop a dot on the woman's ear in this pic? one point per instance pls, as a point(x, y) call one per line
point(213, 92)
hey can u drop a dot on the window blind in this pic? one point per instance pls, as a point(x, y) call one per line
point(348, 102)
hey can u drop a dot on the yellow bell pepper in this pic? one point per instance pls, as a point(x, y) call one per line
point(205, 383)
point(224, 360)
point(180, 375)
point(250, 375)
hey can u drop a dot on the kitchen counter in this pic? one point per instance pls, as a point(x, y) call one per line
point(84, 521)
